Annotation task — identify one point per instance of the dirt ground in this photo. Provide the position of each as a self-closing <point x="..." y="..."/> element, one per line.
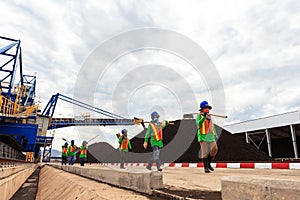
<point x="184" y="182"/>
<point x="195" y="184"/>
<point x="196" y="179"/>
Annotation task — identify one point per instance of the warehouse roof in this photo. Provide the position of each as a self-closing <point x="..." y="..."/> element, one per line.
<point x="285" y="119"/>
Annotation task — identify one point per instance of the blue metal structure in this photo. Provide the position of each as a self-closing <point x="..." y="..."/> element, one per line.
<point x="11" y="55"/>
<point x="17" y="111"/>
<point x="64" y="122"/>
<point x="113" y="119"/>
<point x="50" y="107"/>
<point x="30" y="83"/>
<point x="19" y="118"/>
<point x="46" y="144"/>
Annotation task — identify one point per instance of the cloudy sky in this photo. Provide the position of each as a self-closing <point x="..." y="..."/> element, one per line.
<point x="253" y="45"/>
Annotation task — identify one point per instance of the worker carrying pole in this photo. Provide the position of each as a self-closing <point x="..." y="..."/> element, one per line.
<point x="83" y="153"/>
<point x="207" y="136"/>
<point x="124" y="146"/>
<point x="64" y="154"/>
<point x="72" y="152"/>
<point x="155" y="133"/>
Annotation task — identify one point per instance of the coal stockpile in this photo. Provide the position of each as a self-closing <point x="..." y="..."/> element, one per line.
<point x="181" y="145"/>
<point x="234" y="148"/>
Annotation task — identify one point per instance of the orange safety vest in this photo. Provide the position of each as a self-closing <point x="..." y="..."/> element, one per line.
<point x="124" y="144"/>
<point x="206" y="127"/>
<point x="82" y="151"/>
<point x="157" y="132"/>
<point x="64" y="150"/>
<point x="72" y="149"/>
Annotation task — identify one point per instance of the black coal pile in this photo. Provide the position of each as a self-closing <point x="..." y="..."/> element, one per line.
<point x="181" y="145"/>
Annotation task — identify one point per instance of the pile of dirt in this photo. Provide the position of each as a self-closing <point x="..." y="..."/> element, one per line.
<point x="181" y="145"/>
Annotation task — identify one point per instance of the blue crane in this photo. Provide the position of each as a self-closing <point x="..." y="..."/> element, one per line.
<point x="21" y="122"/>
<point x="110" y="118"/>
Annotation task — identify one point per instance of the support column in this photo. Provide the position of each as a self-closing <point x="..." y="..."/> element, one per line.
<point x="294" y="140"/>
<point x="247" y="138"/>
<point x="269" y="142"/>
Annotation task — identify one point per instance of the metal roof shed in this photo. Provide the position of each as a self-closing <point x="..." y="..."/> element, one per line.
<point x="275" y="129"/>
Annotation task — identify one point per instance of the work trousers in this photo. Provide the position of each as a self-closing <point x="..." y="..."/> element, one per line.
<point x="208" y="148"/>
<point x="72" y="160"/>
<point x="122" y="159"/>
<point x="63" y="160"/>
<point x="154" y="158"/>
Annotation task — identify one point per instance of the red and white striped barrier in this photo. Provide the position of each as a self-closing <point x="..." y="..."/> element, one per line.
<point x="249" y="165"/>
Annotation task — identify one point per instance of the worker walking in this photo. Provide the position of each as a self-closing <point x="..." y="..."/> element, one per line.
<point x="155" y="133"/>
<point x="83" y="153"/>
<point x="72" y="153"/>
<point x="124" y="146"/>
<point x="64" y="153"/>
<point x="207" y="136"/>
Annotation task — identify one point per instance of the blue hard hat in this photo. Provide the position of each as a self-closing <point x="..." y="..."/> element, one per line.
<point x="72" y="141"/>
<point x="204" y="104"/>
<point x="66" y="143"/>
<point x="124" y="131"/>
<point x="154" y="114"/>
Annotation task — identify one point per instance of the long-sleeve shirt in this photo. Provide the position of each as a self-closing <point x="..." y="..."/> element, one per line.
<point x="150" y="134"/>
<point x="211" y="136"/>
<point x="64" y="150"/>
<point x="124" y="144"/>
<point x="83" y="152"/>
<point x="71" y="150"/>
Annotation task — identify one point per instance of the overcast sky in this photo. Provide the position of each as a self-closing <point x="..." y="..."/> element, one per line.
<point x="254" y="46"/>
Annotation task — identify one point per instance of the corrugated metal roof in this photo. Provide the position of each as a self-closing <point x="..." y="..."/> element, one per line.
<point x="274" y="121"/>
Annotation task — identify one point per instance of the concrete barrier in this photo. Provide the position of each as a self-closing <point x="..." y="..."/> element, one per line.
<point x="141" y="181"/>
<point x="6" y="172"/>
<point x="10" y="184"/>
<point x="235" y="187"/>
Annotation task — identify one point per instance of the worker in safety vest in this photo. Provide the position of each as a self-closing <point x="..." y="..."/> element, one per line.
<point x="72" y="153"/>
<point x="154" y="132"/>
<point x="207" y="136"/>
<point x="124" y="146"/>
<point x="83" y="153"/>
<point x="64" y="153"/>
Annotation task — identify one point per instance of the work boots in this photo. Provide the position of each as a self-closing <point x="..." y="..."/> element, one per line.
<point x="205" y="163"/>
<point x="209" y="158"/>
<point x="158" y="165"/>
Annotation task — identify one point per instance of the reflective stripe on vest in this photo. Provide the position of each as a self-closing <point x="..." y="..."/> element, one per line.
<point x="157" y="132"/>
<point x="82" y="151"/>
<point x="124" y="144"/>
<point x="64" y="150"/>
<point x="206" y="127"/>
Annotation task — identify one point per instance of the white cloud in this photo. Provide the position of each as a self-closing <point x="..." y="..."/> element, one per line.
<point x="254" y="45"/>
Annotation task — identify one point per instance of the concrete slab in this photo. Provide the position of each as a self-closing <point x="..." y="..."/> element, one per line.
<point x="10" y="184"/>
<point x="140" y="180"/>
<point x="240" y="187"/>
<point x="5" y="172"/>
<point x="58" y="184"/>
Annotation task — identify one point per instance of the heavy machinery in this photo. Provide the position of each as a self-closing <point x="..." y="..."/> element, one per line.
<point x="23" y="127"/>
